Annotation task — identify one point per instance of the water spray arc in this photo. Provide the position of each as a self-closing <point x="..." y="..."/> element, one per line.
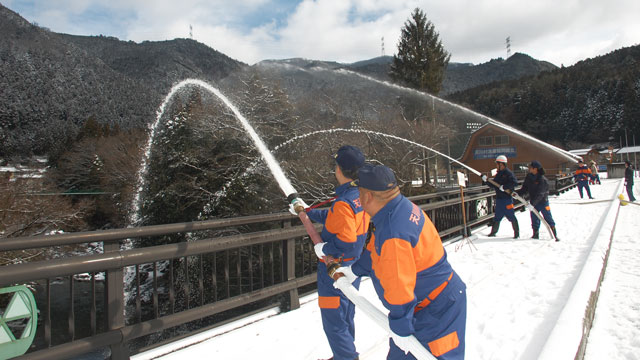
<point x="515" y="195"/>
<point x="370" y="132"/>
<point x="273" y="165"/>
<point x="564" y="153"/>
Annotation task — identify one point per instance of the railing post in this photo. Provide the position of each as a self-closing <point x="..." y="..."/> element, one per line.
<point x="114" y="300"/>
<point x="293" y="299"/>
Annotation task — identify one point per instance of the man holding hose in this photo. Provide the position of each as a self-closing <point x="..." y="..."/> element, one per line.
<point x="405" y="259"/>
<point x="343" y="236"/>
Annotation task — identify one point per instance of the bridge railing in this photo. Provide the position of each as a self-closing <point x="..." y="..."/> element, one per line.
<point x="560" y="184"/>
<point x="123" y="301"/>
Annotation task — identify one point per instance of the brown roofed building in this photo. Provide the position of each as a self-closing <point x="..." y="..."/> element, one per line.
<point x="491" y="140"/>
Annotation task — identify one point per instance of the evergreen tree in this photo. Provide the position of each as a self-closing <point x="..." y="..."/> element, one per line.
<point x="421" y="59"/>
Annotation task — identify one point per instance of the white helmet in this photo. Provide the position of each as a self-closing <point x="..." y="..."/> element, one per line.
<point x="502" y="159"/>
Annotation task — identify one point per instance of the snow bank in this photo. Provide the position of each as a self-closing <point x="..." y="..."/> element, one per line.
<point x="567" y="334"/>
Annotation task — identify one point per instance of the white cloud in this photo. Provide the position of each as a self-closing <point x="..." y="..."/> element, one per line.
<point x="351" y="30"/>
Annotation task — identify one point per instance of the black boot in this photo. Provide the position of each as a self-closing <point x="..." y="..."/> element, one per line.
<point x="535" y="235"/>
<point x="516" y="229"/>
<point x="555" y="235"/>
<point x="494" y="229"/>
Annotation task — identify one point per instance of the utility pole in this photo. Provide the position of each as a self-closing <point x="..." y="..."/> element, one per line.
<point x="190" y="32"/>
<point x="425" y="181"/>
<point x="449" y="154"/>
<point x="626" y="140"/>
<point x="635" y="158"/>
<point x="621" y="155"/>
<point x="508" y="42"/>
<point x="382" y="42"/>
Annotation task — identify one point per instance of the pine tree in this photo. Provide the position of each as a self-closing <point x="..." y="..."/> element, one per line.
<point x="421" y="59"/>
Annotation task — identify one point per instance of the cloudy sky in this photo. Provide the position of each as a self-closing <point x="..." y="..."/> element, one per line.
<point x="562" y="32"/>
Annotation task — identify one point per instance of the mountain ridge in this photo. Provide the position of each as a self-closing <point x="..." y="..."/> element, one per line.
<point x="52" y="83"/>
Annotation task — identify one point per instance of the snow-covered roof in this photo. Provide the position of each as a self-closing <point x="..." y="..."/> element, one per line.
<point x="606" y="151"/>
<point x="580" y="152"/>
<point x="628" y="149"/>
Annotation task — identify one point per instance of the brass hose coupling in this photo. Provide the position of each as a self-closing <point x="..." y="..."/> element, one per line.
<point x="332" y="267"/>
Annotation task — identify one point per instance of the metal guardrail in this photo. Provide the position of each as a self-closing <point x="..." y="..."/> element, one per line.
<point x="561" y="184"/>
<point x="153" y="290"/>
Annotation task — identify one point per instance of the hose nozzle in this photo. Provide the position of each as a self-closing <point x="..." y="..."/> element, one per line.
<point x="297" y="203"/>
<point x="292" y="197"/>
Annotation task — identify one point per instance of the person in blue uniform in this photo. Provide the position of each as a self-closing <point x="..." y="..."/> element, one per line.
<point x="628" y="180"/>
<point x="504" y="202"/>
<point x="343" y="233"/>
<point x="582" y="176"/>
<point x="407" y="263"/>
<point x="536" y="186"/>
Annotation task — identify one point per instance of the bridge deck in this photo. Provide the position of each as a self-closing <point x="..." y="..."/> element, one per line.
<point x="517" y="292"/>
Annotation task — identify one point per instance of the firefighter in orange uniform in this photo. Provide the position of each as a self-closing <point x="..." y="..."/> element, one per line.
<point x="344" y="232"/>
<point x="405" y="259"/>
<point x="582" y="176"/>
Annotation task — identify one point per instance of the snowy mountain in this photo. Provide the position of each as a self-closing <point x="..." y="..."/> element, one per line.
<point x="52" y="83"/>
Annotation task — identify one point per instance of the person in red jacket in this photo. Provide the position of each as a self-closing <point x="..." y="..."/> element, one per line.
<point x="407" y="263"/>
<point x="343" y="233"/>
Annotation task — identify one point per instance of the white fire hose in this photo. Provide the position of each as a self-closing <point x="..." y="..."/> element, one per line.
<point x="378" y="317"/>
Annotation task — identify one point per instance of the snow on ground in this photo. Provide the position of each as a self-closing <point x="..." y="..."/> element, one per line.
<point x="616" y="328"/>
<point x="520" y="292"/>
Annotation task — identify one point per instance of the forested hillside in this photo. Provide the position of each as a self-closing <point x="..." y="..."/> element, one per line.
<point x="459" y="77"/>
<point x="52" y="83"/>
<point x="592" y="101"/>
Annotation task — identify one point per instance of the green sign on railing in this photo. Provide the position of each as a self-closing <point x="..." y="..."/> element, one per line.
<point x="18" y="321"/>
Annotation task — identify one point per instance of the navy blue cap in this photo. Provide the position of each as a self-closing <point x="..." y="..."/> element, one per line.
<point x="535" y="164"/>
<point x="376" y="177"/>
<point x="349" y="157"/>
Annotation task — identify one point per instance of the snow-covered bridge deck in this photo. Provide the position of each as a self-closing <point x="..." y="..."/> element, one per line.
<point x="526" y="297"/>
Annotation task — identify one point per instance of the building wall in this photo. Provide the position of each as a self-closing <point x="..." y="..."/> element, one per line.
<point x="615" y="170"/>
<point x="482" y="151"/>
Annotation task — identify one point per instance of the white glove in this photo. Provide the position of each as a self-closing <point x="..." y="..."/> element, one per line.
<point x="501" y="188"/>
<point x="297" y="202"/>
<point x="318" y="249"/>
<point x="403" y="342"/>
<point x="484" y="178"/>
<point x="347" y="272"/>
